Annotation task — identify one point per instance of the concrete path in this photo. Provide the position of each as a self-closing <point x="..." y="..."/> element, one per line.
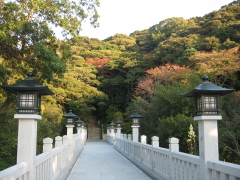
<point x="100" y="161"/>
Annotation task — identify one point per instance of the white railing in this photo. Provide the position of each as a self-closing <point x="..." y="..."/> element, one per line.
<point x="223" y="170"/>
<point x="163" y="163"/>
<point x="52" y="164"/>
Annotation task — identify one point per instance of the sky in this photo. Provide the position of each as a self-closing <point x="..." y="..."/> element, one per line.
<point x="127" y="16"/>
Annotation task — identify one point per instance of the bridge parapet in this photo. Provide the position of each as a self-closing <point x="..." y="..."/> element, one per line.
<point x="53" y="163"/>
<point x="162" y="163"/>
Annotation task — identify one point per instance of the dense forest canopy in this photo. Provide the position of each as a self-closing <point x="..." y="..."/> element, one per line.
<point x="106" y="80"/>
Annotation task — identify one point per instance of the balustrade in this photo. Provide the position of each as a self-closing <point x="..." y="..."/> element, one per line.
<point x="162" y="163"/>
<point x="52" y="163"/>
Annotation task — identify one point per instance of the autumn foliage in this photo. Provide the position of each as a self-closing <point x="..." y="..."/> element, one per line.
<point x="219" y="66"/>
<point x="98" y="62"/>
<point x="159" y="75"/>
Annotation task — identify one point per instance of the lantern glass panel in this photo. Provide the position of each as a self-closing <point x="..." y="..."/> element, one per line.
<point x="135" y="121"/>
<point x="199" y="103"/>
<point x="26" y="100"/>
<point x="69" y="120"/>
<point x="210" y="102"/>
<point x="28" y="103"/>
<point x="118" y="125"/>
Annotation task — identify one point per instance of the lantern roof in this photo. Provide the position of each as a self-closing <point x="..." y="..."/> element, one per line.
<point x="28" y="85"/>
<point x="207" y="87"/>
<point x="79" y="121"/>
<point x="112" y="124"/>
<point x="70" y="115"/>
<point x="135" y="115"/>
<point x="118" y="122"/>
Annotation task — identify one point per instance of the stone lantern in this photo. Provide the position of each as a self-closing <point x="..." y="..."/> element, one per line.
<point x="70" y="119"/>
<point x="112" y="128"/>
<point x="135" y="117"/>
<point x="119" y="127"/>
<point x="207" y="114"/>
<point x="79" y="125"/>
<point x="28" y="108"/>
<point x="207" y="97"/>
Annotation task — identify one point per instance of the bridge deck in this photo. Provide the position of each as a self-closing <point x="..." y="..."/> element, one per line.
<point x="100" y="161"/>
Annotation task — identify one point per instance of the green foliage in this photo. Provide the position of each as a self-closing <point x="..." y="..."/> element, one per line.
<point x="8" y="140"/>
<point x="46" y="129"/>
<point x="191" y="142"/>
<point x="229" y="129"/>
<point x="183" y="60"/>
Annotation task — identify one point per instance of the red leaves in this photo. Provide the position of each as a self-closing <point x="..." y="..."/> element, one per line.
<point x="99" y="63"/>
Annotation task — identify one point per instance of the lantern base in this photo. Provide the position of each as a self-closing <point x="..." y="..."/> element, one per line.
<point x="28" y="116"/>
<point x="207" y="118"/>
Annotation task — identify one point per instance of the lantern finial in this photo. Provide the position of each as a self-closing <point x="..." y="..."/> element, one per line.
<point x="205" y="78"/>
<point x="30" y="74"/>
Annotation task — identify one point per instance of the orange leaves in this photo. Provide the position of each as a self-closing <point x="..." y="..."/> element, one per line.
<point x="220" y="66"/>
<point x="98" y="62"/>
<point x="161" y="75"/>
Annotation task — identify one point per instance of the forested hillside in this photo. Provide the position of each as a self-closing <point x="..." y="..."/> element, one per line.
<point x="145" y="71"/>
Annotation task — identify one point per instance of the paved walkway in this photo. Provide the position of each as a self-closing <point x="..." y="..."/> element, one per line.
<point x="100" y="161"/>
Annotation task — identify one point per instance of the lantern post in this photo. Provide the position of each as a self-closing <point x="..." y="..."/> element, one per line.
<point x="119" y="127"/>
<point x="112" y="128"/>
<point x="28" y="109"/>
<point x="79" y="125"/>
<point x="207" y="113"/>
<point x="135" y="117"/>
<point x="70" y="119"/>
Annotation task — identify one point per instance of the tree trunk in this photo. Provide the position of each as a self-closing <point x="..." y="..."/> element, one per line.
<point x="6" y="104"/>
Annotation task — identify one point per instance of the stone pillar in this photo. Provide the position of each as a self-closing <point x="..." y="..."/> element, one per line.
<point x="121" y="136"/>
<point x="79" y="130"/>
<point x="129" y="137"/>
<point x="70" y="131"/>
<point x="58" y="141"/>
<point x="135" y="133"/>
<point x="144" y="139"/>
<point x="208" y="142"/>
<point x="174" y="144"/>
<point x="47" y="144"/>
<point x="65" y="139"/>
<point x="155" y="141"/>
<point x="173" y="147"/>
<point x="119" y="132"/>
<point x="27" y="140"/>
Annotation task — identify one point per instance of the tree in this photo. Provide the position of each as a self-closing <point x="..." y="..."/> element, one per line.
<point x="220" y="66"/>
<point x="229" y="128"/>
<point x="27" y="41"/>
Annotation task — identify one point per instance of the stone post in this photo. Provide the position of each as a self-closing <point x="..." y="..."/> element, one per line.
<point x="135" y="133"/>
<point x="121" y="136"/>
<point x="47" y="144"/>
<point x="155" y="141"/>
<point x="27" y="140"/>
<point x="129" y="137"/>
<point x="173" y="147"/>
<point x="58" y="141"/>
<point x="208" y="142"/>
<point x="70" y="131"/>
<point x="174" y="144"/>
<point x="79" y="130"/>
<point x="144" y="139"/>
<point x="65" y="139"/>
